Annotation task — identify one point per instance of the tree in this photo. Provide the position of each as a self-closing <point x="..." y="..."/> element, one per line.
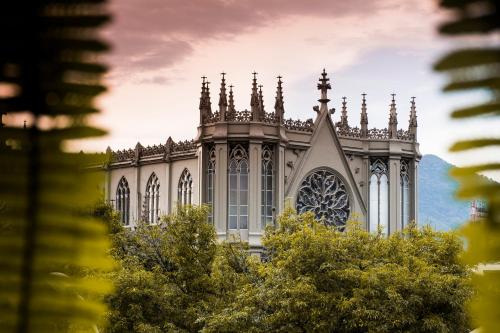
<point x="49" y="73"/>
<point x="478" y="68"/>
<point x="172" y="274"/>
<point x="317" y="279"/>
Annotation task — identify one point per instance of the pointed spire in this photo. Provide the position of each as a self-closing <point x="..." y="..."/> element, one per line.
<point x="204" y="102"/>
<point x="254" y="100"/>
<point x="364" y="118"/>
<point x="261" y="102"/>
<point x="207" y="96"/>
<point x="412" y="128"/>
<point x="222" y="99"/>
<point x="231" y="111"/>
<point x="393" y="119"/>
<point x="323" y="86"/>
<point x="279" y="109"/>
<point x="343" y="117"/>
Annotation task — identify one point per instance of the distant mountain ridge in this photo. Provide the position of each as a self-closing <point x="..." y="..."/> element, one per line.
<point x="437" y="205"/>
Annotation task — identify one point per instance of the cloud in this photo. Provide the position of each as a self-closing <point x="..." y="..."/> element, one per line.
<point x="155" y="34"/>
<point x="161" y="80"/>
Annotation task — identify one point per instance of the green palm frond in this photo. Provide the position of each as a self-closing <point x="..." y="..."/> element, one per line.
<point x="473" y="144"/>
<point x="48" y="53"/>
<point x="492" y="108"/>
<point x="472" y="69"/>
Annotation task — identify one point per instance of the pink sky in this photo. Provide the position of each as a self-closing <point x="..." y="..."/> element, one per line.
<point x="163" y="47"/>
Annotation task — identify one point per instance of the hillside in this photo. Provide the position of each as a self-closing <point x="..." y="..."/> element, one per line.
<point x="437" y="206"/>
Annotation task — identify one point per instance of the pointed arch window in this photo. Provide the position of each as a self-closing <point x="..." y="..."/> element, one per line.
<point x="405" y="193"/>
<point x="123" y="200"/>
<point x="267" y="186"/>
<point x="379" y="196"/>
<point x="238" y="188"/>
<point x="210" y="194"/>
<point x="185" y="188"/>
<point x="152" y="199"/>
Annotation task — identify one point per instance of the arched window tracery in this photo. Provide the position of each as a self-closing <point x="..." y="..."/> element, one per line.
<point x="185" y="188"/>
<point x="123" y="200"/>
<point x="152" y="199"/>
<point x="379" y="196"/>
<point x="267" y="186"/>
<point x="210" y="194"/>
<point x="238" y="188"/>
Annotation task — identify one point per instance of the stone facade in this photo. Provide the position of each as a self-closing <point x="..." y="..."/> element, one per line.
<point x="247" y="165"/>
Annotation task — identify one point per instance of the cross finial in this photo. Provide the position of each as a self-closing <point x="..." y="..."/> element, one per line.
<point x="324" y="79"/>
<point x="279" y="77"/>
<point x="364" y="95"/>
<point x="413" y="99"/>
<point x="323" y="86"/>
<point x="254" y="75"/>
<point x="223" y="74"/>
<point x="343" y="99"/>
<point x="393" y="95"/>
<point x="203" y="77"/>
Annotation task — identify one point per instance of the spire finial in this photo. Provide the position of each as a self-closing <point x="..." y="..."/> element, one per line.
<point x="343" y="117"/>
<point x="254" y="99"/>
<point x="205" y="104"/>
<point x="261" y="101"/>
<point x="323" y="86"/>
<point x="412" y="128"/>
<point x="231" y="110"/>
<point x="222" y="99"/>
<point x="279" y="109"/>
<point x="364" y="117"/>
<point x="393" y="119"/>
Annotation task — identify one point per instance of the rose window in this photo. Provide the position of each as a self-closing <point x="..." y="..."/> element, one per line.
<point x="325" y="194"/>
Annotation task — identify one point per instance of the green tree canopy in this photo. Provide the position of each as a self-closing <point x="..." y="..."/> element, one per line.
<point x="175" y="277"/>
<point x="317" y="279"/>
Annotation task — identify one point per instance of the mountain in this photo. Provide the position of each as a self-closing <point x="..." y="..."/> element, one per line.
<point x="437" y="205"/>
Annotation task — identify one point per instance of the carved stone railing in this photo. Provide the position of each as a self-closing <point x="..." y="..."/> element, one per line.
<point x="374" y="133"/>
<point x="211" y="118"/>
<point x="346" y="131"/>
<point x="241" y="116"/>
<point x="183" y="146"/>
<point x="405" y="135"/>
<point x="246" y="116"/>
<point x="155" y="150"/>
<point x="270" y="118"/>
<point x="378" y="133"/>
<point x="299" y="125"/>
<point x="122" y="155"/>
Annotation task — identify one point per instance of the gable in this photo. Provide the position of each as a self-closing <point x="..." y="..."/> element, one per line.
<point x="326" y="153"/>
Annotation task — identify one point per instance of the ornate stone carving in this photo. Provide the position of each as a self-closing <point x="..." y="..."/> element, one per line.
<point x="299" y="125"/>
<point x="155" y="150"/>
<point x="325" y="194"/>
<point x="374" y="133"/>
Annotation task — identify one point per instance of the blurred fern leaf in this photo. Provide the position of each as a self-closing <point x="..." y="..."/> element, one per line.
<point x="49" y="74"/>
<point x="478" y="68"/>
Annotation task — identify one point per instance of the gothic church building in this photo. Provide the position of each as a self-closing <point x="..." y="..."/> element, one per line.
<point x="246" y="165"/>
